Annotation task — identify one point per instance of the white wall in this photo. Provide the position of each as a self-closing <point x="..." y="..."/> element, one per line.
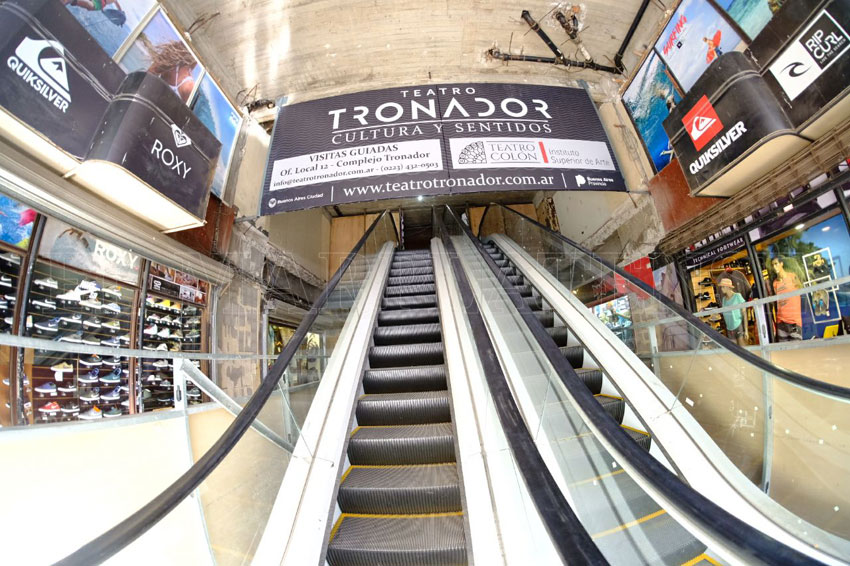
<point x="250" y="170"/>
<point x="305" y="236"/>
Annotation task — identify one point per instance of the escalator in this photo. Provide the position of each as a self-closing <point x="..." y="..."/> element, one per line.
<point x="400" y="497"/>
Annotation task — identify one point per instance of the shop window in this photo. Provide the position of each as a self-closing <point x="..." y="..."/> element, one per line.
<point x="810" y="253"/>
<point x="160" y="51"/>
<point x="310" y="360"/>
<point x="617" y="316"/>
<point x="109" y="22"/>
<point x="221" y="118"/>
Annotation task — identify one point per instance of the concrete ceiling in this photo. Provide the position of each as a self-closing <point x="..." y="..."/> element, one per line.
<point x="307" y="49"/>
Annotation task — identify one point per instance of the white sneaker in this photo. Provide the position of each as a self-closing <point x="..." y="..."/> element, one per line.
<point x="92" y="303"/>
<point x="72" y="295"/>
<point x="47" y="282"/>
<point x="164" y="333"/>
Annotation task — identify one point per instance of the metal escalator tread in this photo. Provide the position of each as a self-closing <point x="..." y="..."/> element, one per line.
<point x="407" y="408"/>
<point x="501" y="262"/>
<point x="408" y="316"/>
<point x="534" y="303"/>
<point x="407" y="290"/>
<point x="516" y="280"/>
<point x="525" y="290"/>
<point x="410" y="280"/>
<point x="592" y="378"/>
<point x="574" y="355"/>
<point x="643" y="439"/>
<point x="614" y="406"/>
<point x="408" y="271"/>
<point x="402" y="445"/>
<point x="406" y="355"/>
<point x="430" y="488"/>
<point x="411" y="302"/>
<point x="407" y="334"/>
<point x="510" y="271"/>
<point x="411" y="264"/>
<point x="560" y="334"/>
<point x="398" y="380"/>
<point x="546" y="318"/>
<point x="406" y="540"/>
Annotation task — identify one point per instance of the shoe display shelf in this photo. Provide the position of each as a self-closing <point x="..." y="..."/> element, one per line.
<point x="193" y="341"/>
<point x="10" y="276"/>
<point x="162" y="332"/>
<point x="78" y="308"/>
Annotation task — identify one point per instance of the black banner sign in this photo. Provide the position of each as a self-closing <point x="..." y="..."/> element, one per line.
<point x="53" y="76"/>
<point x="150" y="132"/>
<point x="727" y="114"/>
<point x="437" y="139"/>
<point x="699" y="258"/>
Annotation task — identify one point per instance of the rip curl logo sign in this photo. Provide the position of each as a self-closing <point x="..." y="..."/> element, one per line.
<point x="41" y="64"/>
<point x="169" y="157"/>
<point x="702" y="123"/>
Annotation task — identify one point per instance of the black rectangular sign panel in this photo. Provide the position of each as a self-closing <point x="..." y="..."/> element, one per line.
<point x="150" y="132"/>
<point x="728" y="113"/>
<point x="436" y="139"/>
<point x="53" y="76"/>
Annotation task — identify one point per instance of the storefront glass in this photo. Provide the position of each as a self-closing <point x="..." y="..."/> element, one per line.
<point x="309" y="362"/>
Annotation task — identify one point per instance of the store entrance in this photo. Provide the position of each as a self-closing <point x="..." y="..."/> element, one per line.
<point x="416" y="229"/>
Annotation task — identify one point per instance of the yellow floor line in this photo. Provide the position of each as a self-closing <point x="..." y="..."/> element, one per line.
<point x="629" y="525"/>
<point x="697" y="559"/>
<point x="603" y="476"/>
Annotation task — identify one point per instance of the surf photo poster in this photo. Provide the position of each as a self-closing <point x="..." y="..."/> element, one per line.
<point x="109" y="22"/>
<point x="649" y="98"/>
<point x="750" y="15"/>
<point x="222" y="119"/>
<point x="693" y="39"/>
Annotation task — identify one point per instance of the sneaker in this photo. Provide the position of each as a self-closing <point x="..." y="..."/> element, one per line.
<point x="174" y="346"/>
<point x="163" y="347"/>
<point x="74" y="338"/>
<point x="177" y="334"/>
<point x="4" y="304"/>
<point x="10" y="298"/>
<point x="148" y="347"/>
<point x="125" y="403"/>
<point x="160" y="364"/>
<point x="92" y="414"/>
<point x="113" y="377"/>
<point x="48" y="282"/>
<point x="111" y="342"/>
<point x="51" y="325"/>
<point x="6" y="381"/>
<point x="146" y="395"/>
<point x="112" y="307"/>
<point x="153" y="317"/>
<point x="114" y="361"/>
<point x="166" y="319"/>
<point x="90" y="377"/>
<point x="88" y="286"/>
<point x="5" y="281"/>
<point x="47" y="388"/>
<point x="113" y="395"/>
<point x="11" y="258"/>
<point x="44" y="303"/>
<point x="164" y="304"/>
<point x="150" y="301"/>
<point x="113" y="412"/>
<point x="63" y="367"/>
<point x="92" y="394"/>
<point x="90" y="339"/>
<point x="112" y="325"/>
<point x="93" y="360"/>
<point x="67" y="388"/>
<point x="165" y="383"/>
<point x="150" y="330"/>
<point x="92" y="303"/>
<point x="75" y="318"/>
<point x="92" y="322"/>
<point x="52" y="407"/>
<point x="71" y="407"/>
<point x="71" y="295"/>
<point x="9" y="320"/>
<point x="113" y="290"/>
<point x="194" y="321"/>
<point x="192" y="335"/>
<point x="124" y="337"/>
<point x="154" y="378"/>
<point x="193" y="393"/>
<point x="190" y="310"/>
<point x="164" y="333"/>
<point x="125" y="388"/>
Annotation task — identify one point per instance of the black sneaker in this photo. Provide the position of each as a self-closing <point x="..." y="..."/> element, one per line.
<point x="93" y="360"/>
<point x="704" y="296"/>
<point x="706" y="282"/>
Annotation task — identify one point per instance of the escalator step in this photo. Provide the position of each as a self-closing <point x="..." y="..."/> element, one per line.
<point x="411" y="264"/>
<point x="525" y="290"/>
<point x="574" y="355"/>
<point x="508" y="270"/>
<point x="560" y="334"/>
<point x="425" y="540"/>
<point x="397" y="380"/>
<point x="546" y="318"/>
<point x="433" y="488"/>
<point x="516" y="280"/>
<point x="402" y="445"/>
<point x="406" y="355"/>
<point x="408" y="261"/>
<point x="407" y="334"/>
<point x="642" y="438"/>
<point x="534" y="303"/>
<point x="501" y="262"/>
<point x="410" y="280"/>
<point x="496" y="255"/>
<point x="411" y="316"/>
<point x="614" y="406"/>
<point x="411" y="302"/>
<point x="422" y="407"/>
<point x="406" y="272"/>
<point x="409" y="253"/>
<point x="407" y="290"/>
<point x="592" y="378"/>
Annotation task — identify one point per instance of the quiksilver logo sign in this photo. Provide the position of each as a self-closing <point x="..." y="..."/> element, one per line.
<point x="169" y="157"/>
<point x="41" y="64"/>
<point x="717" y="147"/>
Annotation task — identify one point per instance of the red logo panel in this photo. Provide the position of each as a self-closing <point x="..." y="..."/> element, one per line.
<point x="702" y="123"/>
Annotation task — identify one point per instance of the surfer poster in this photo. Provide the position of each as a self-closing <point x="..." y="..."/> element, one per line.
<point x="750" y="15"/>
<point x="109" y="22"/>
<point x="649" y="98"/>
<point x="693" y="39"/>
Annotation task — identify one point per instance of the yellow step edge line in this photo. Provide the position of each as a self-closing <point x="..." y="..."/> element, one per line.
<point x="697" y="559"/>
<point x="643" y="432"/>
<point x="597" y="478"/>
<point x="351" y="467"/>
<point x="629" y="525"/>
<point x="402" y="515"/>
<point x="609" y="396"/>
<point x="337" y="525"/>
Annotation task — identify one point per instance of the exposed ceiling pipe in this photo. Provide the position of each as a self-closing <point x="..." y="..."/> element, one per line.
<point x="496" y="54"/>
<point x="570" y="26"/>
<point x="618" y="58"/>
<point x="559" y="58"/>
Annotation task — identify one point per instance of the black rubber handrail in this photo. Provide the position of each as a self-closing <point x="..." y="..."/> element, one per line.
<point x="750" y="544"/>
<point x="134" y="526"/>
<point x="795" y="378"/>
<point x="568" y="535"/>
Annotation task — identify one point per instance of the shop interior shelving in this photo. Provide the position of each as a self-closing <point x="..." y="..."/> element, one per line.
<point x="10" y="277"/>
